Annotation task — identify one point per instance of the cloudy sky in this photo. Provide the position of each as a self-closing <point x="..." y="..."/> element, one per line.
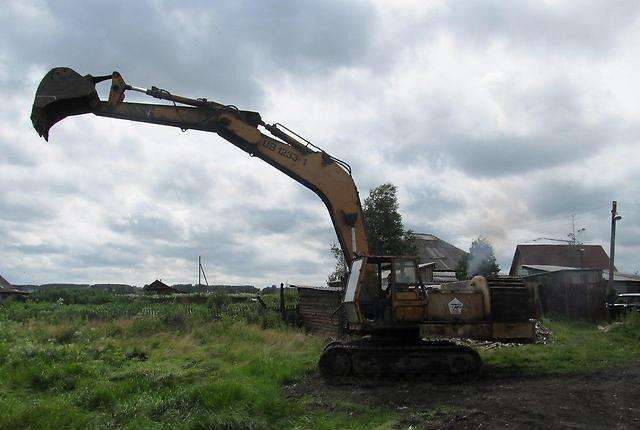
<point x="493" y="118"/>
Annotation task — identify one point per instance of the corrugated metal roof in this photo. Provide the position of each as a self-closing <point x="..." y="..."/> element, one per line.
<point x="314" y="287"/>
<point x="548" y="268"/>
<point x="622" y="277"/>
<point x="433" y="249"/>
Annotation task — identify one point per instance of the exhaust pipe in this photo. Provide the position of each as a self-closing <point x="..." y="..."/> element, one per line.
<point x="62" y="93"/>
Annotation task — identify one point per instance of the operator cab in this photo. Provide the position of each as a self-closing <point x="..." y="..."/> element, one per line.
<point x="382" y="288"/>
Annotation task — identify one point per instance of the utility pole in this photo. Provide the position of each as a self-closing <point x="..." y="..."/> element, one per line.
<point x="612" y="245"/>
<point x="282" y="307"/>
<point x="201" y="271"/>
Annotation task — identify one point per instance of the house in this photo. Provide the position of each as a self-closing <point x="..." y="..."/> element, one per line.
<point x="159" y="287"/>
<point x="577" y="256"/>
<point x="7" y="290"/>
<point x="433" y="249"/>
<point x="4" y="283"/>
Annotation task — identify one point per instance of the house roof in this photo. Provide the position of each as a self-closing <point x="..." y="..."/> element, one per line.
<point x="433" y="249"/>
<point x="548" y="268"/>
<point x="158" y="285"/>
<point x="581" y="256"/>
<point x="4" y="283"/>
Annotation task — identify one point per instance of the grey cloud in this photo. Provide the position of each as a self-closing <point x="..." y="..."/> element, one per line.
<point x="23" y="208"/>
<point x="153" y="226"/>
<point x="218" y="52"/>
<point x="432" y="201"/>
<point x="234" y="50"/>
<point x="559" y="134"/>
<point x="575" y="27"/>
<point x="553" y="197"/>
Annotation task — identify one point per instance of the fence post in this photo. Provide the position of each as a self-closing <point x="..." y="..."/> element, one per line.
<point x="283" y="311"/>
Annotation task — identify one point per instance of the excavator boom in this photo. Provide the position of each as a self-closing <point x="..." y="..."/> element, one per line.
<point x="64" y="92"/>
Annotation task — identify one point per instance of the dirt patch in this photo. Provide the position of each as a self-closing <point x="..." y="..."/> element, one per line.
<point x="602" y="400"/>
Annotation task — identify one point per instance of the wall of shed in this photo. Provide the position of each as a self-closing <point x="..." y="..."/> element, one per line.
<point x="317" y="310"/>
<point x="575" y="294"/>
<point x="622" y="287"/>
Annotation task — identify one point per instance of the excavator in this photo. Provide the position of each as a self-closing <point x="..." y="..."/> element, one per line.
<point x="399" y="325"/>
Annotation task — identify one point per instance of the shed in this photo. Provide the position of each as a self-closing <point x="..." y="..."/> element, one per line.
<point x="318" y="309"/>
<point x="572" y="292"/>
<point x="159" y="287"/>
<point x="623" y="282"/>
<point x="426" y="271"/>
<point x="577" y="256"/>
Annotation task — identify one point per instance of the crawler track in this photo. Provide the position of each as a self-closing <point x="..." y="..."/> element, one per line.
<point x="353" y="361"/>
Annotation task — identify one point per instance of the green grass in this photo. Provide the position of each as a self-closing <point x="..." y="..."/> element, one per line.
<point x="137" y="364"/>
<point x="574" y="347"/>
<point x="174" y="369"/>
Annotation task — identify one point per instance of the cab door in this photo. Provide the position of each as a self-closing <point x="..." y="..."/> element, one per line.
<point x="407" y="297"/>
<point x="351" y="294"/>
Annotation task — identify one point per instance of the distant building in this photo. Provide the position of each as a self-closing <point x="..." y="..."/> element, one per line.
<point x="159" y="287"/>
<point x="576" y="256"/>
<point x="432" y="249"/>
<point x="4" y="283"/>
<point x="438" y="259"/>
<point x="7" y="290"/>
<point x="623" y="282"/>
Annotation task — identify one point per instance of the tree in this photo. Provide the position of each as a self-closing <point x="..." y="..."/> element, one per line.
<point x="385" y="230"/>
<point x="481" y="260"/>
<point x="383" y="222"/>
<point x="461" y="268"/>
<point x="341" y="264"/>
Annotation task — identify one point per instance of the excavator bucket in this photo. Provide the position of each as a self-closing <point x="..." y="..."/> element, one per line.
<point x="62" y="93"/>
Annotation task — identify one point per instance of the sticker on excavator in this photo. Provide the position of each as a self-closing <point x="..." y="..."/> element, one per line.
<point x="455" y="307"/>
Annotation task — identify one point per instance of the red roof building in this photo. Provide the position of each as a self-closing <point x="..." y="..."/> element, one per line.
<point x="578" y="256"/>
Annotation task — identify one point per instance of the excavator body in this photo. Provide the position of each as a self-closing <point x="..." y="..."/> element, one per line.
<point x="405" y="326"/>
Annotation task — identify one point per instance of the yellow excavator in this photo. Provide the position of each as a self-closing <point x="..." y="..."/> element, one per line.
<point x="402" y="325"/>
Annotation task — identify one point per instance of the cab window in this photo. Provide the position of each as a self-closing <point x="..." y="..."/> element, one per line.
<point x="405" y="272"/>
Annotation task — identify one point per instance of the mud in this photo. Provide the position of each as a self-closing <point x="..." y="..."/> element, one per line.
<point x="604" y="400"/>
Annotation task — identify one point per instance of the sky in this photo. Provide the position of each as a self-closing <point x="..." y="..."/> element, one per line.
<point x="494" y="119"/>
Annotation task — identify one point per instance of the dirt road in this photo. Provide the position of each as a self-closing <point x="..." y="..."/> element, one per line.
<point x="607" y="400"/>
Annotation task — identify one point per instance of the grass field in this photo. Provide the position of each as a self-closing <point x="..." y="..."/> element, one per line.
<point x="83" y="366"/>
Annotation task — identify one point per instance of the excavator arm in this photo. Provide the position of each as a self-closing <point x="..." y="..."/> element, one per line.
<point x="63" y="92"/>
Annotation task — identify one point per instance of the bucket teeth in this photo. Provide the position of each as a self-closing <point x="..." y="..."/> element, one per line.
<point x="61" y="93"/>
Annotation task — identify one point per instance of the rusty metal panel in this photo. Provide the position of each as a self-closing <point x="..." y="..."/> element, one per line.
<point x="575" y="294"/>
<point x="445" y="307"/>
<point x="473" y="331"/>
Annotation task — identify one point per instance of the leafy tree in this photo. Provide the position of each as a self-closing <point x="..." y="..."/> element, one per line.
<point x="386" y="232"/>
<point x="461" y="268"/>
<point x="481" y="260"/>
<point x="341" y="264"/>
